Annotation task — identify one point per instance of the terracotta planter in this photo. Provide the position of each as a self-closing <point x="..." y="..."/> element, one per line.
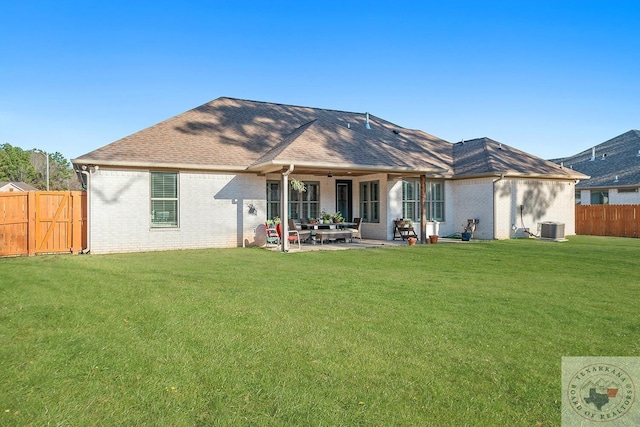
<point x="433" y="239"/>
<point x="412" y="241"/>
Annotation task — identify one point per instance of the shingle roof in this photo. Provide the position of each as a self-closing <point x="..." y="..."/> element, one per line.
<point x="229" y="133"/>
<point x="484" y="156"/>
<point x="241" y="135"/>
<point x="332" y="145"/>
<point x="19" y="184"/>
<point x="619" y="156"/>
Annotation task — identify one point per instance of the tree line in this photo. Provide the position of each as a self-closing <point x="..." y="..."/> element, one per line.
<point x="30" y="166"/>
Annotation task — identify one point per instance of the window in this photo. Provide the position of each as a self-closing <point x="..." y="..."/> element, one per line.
<point x="370" y="201"/>
<point x="309" y="205"/>
<point x="627" y="190"/>
<point x="578" y="197"/>
<point x="599" y="197"/>
<point x="434" y="201"/>
<point x="411" y="200"/>
<point x="164" y="199"/>
<point x="273" y="199"/>
<point x="301" y="205"/>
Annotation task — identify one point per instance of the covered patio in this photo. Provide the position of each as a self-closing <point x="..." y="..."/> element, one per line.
<point x="360" y="244"/>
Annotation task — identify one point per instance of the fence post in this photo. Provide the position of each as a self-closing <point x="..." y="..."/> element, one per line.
<point x="31" y="223"/>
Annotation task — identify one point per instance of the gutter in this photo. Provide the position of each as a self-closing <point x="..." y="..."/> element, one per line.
<point x="495" y="213"/>
<point x="159" y="165"/>
<point x="269" y="167"/>
<point x="87" y="172"/>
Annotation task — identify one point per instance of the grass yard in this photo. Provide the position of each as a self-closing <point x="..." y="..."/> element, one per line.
<point x="446" y="334"/>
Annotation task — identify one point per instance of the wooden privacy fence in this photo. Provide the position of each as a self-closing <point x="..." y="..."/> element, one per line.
<point x="36" y="222"/>
<point x="608" y="220"/>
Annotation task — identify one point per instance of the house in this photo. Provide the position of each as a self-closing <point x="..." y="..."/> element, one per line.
<point x="211" y="176"/>
<point x="15" y="186"/>
<point x="614" y="170"/>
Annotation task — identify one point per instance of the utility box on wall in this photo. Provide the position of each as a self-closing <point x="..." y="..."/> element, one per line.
<point x="552" y="230"/>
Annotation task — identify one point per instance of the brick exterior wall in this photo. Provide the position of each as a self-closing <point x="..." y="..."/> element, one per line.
<point x="219" y="210"/>
<point x="473" y="199"/>
<point x="542" y="200"/>
<point x="215" y="210"/>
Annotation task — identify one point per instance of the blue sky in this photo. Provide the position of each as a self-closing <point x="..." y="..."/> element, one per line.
<point x="549" y="77"/>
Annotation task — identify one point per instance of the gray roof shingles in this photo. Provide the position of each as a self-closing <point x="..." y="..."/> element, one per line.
<point x="617" y="157"/>
<point x="484" y="156"/>
<point x="19" y="184"/>
<point x="236" y="134"/>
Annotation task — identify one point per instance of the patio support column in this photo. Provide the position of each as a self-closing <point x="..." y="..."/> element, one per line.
<point x="423" y="209"/>
<point x="284" y="209"/>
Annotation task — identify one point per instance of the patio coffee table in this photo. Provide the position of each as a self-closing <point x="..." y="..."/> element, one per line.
<point x="323" y="235"/>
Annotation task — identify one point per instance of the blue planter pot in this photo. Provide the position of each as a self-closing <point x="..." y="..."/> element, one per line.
<point x="466" y="237"/>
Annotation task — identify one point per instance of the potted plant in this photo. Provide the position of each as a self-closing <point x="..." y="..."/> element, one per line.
<point x="326" y="217"/>
<point x="412" y="241"/>
<point x="337" y="217"/>
<point x="298" y="185"/>
<point x="466" y="234"/>
<point x="404" y="222"/>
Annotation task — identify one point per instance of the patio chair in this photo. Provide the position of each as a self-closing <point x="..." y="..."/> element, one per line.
<point x="355" y="231"/>
<point x="272" y="235"/>
<point x="304" y="234"/>
<point x="292" y="237"/>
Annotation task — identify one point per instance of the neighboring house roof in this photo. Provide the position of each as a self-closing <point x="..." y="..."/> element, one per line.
<point x="618" y="157"/>
<point x="240" y="135"/>
<point x="484" y="156"/>
<point x="16" y="186"/>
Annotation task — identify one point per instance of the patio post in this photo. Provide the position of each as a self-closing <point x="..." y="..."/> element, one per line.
<point x="423" y="208"/>
<point x="284" y="209"/>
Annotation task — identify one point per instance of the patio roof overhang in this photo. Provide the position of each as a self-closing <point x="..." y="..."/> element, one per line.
<point x="522" y="175"/>
<point x="344" y="169"/>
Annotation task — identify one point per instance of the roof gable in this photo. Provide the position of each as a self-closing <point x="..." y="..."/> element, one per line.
<point x="326" y="144"/>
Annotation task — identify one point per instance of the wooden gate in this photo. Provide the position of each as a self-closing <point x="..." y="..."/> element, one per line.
<point x="37" y="222"/>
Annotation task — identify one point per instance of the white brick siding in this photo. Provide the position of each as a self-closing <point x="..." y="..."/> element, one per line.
<point x="473" y="199"/>
<point x="543" y="200"/>
<point x="228" y="210"/>
<point x="215" y="210"/>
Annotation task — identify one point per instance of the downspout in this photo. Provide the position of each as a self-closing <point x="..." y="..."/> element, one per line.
<point x="284" y="209"/>
<point x="87" y="173"/>
<point x="495" y="213"/>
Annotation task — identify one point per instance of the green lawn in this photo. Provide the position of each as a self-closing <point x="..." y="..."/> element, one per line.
<point x="446" y="334"/>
